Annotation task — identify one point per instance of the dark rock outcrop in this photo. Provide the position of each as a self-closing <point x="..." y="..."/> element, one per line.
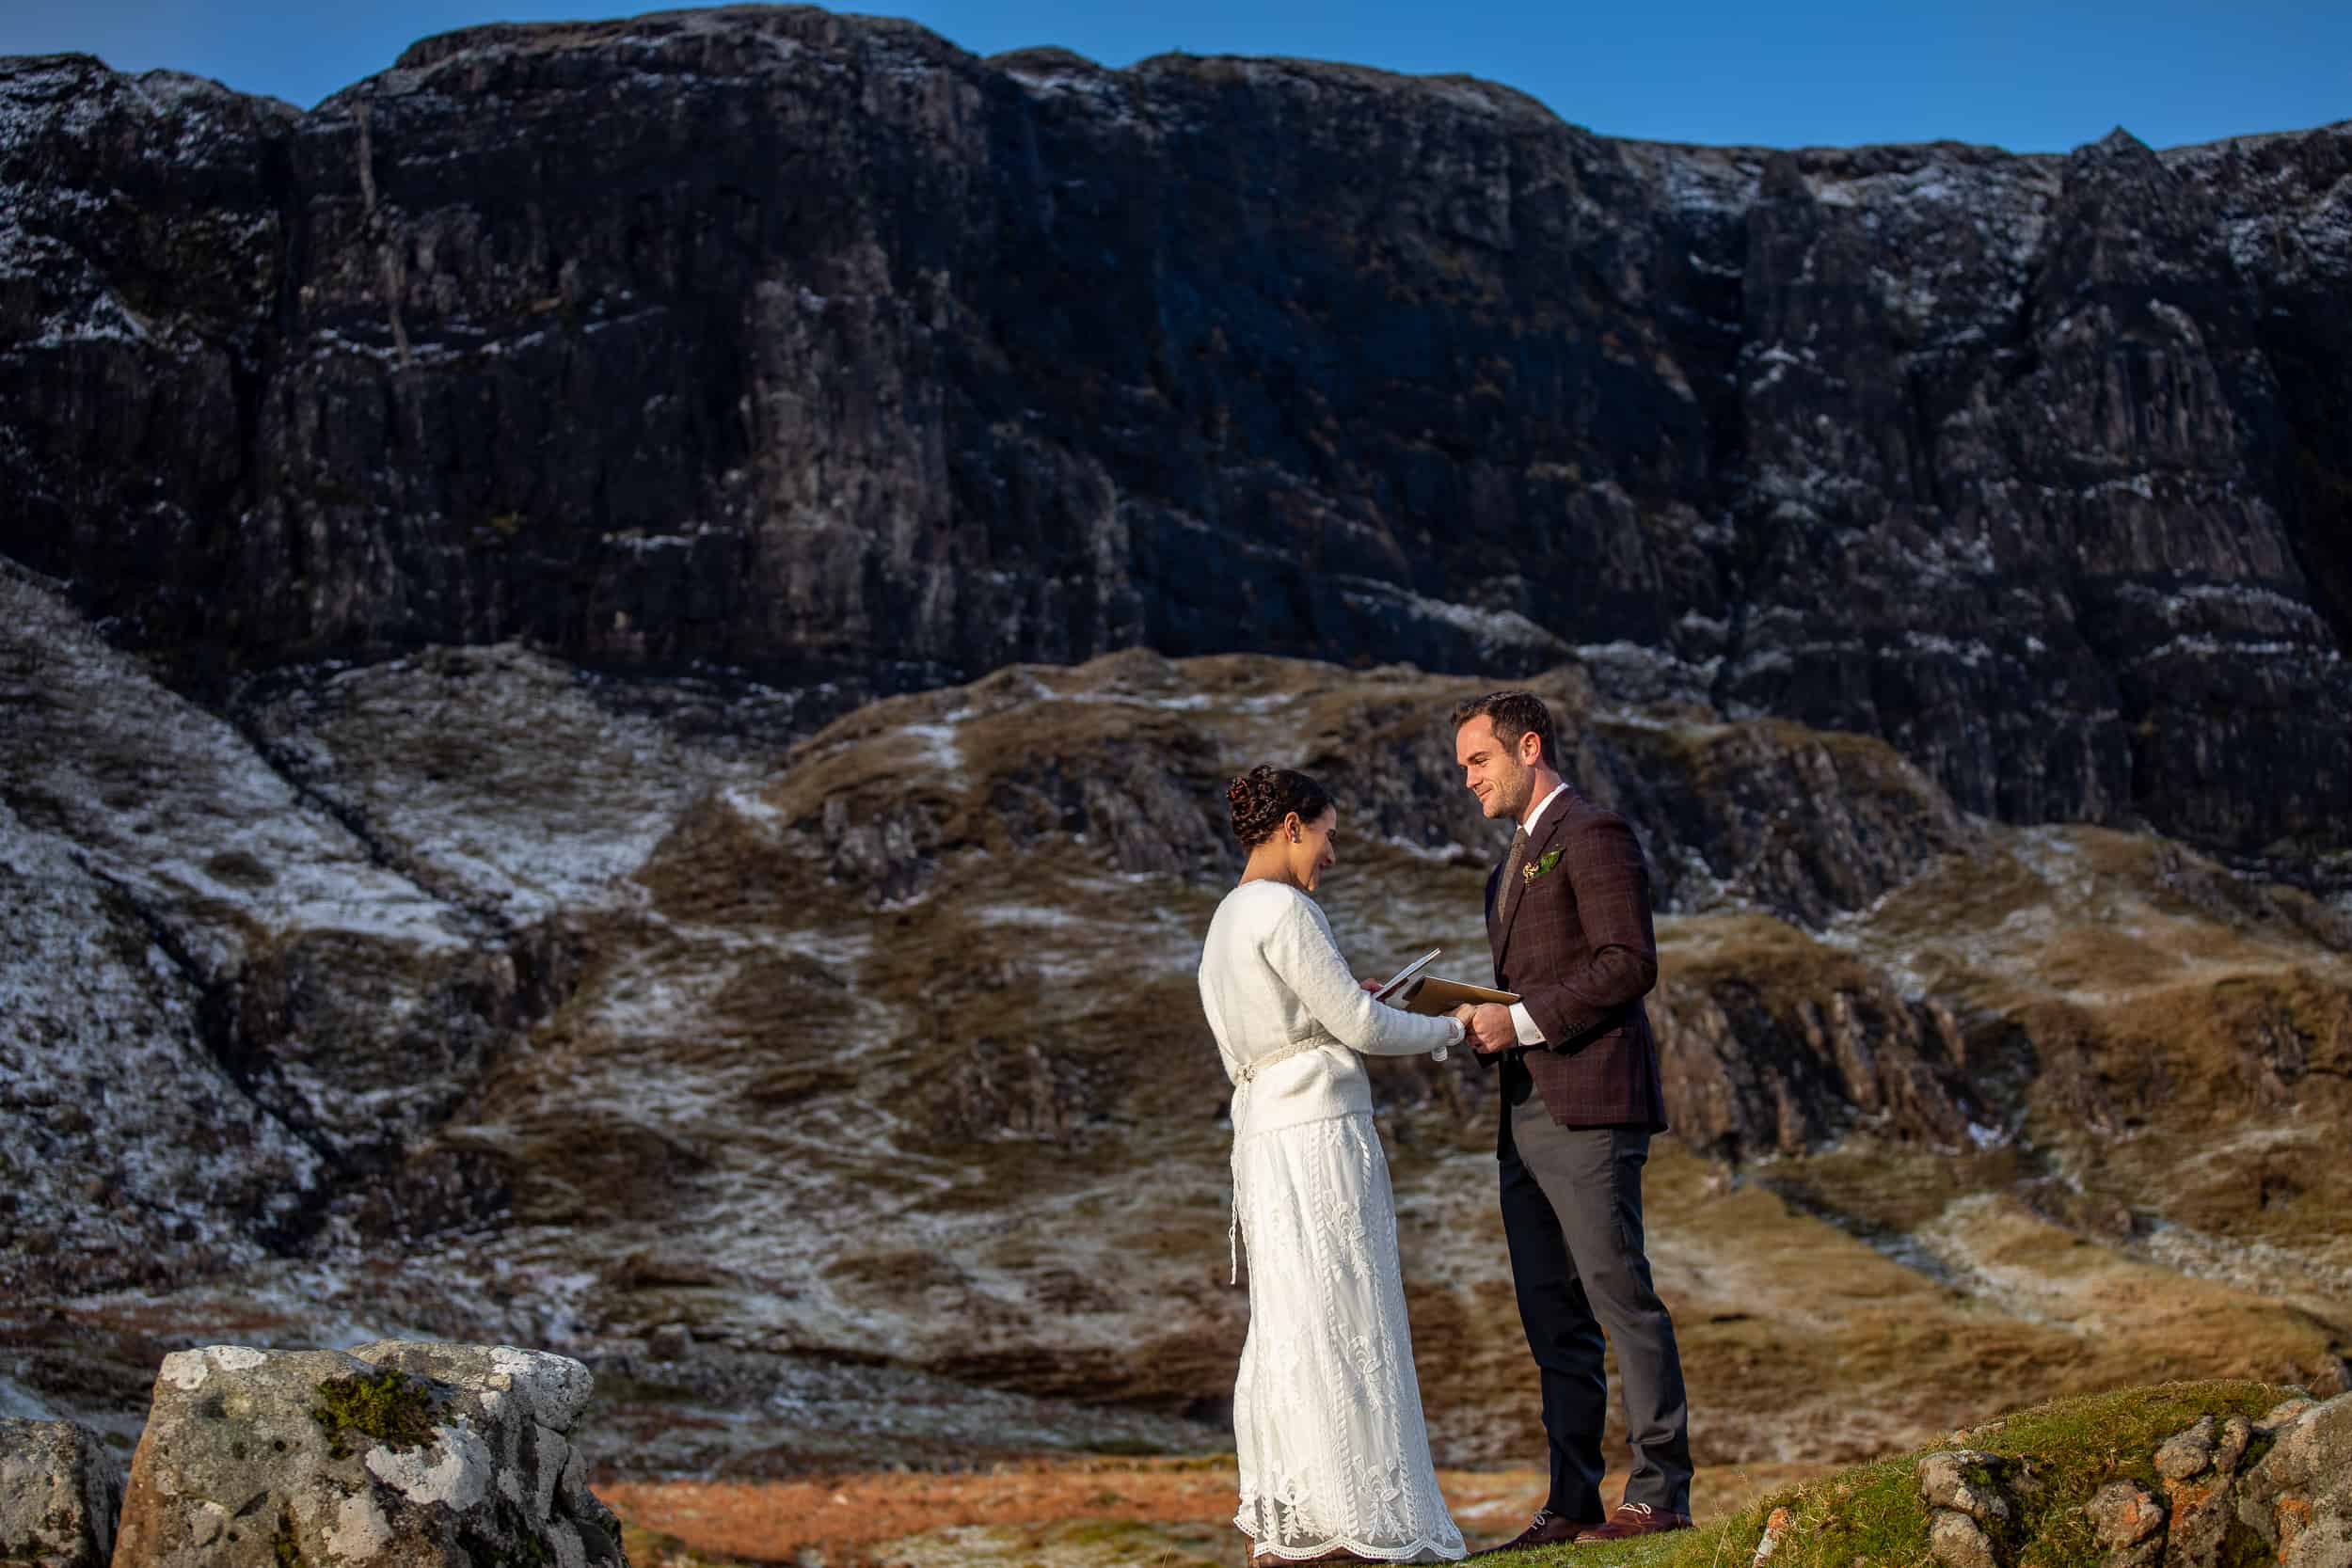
<point x="1777" y="1056"/>
<point x="814" y="347"/>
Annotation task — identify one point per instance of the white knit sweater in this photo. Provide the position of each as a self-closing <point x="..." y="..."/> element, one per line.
<point x="1271" y="977"/>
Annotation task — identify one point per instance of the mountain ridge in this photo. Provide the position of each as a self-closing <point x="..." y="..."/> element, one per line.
<point x="813" y="347"/>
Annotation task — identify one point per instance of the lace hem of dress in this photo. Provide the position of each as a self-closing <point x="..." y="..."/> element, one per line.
<point x="1444" y="1551"/>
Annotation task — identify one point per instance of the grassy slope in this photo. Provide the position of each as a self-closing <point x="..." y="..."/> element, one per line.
<point x="1871" y="1514"/>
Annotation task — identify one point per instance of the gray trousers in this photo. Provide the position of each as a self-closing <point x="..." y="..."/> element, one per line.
<point x="1572" y="1212"/>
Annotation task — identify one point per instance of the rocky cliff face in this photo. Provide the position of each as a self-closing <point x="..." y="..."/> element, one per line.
<point x="459" y="884"/>
<point x="811" y="346"/>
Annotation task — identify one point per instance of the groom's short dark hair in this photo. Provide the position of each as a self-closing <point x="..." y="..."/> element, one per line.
<point x="1514" y="714"/>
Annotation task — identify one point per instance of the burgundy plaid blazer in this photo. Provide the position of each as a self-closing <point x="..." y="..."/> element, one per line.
<point x="1576" y="944"/>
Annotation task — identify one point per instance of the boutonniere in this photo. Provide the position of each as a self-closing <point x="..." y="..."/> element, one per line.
<point x="1550" y="859"/>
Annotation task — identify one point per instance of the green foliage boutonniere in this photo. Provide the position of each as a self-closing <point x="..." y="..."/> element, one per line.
<point x="1550" y="859"/>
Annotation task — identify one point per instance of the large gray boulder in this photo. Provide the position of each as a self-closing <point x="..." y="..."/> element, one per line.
<point x="392" y="1454"/>
<point x="60" y="1490"/>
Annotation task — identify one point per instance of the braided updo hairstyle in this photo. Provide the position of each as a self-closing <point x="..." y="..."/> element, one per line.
<point x="1260" y="798"/>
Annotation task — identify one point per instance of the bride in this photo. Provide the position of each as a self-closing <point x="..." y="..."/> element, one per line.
<point x="1327" y="1415"/>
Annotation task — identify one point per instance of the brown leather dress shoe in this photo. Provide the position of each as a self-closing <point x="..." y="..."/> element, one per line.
<point x="1633" y="1519"/>
<point x="1548" y="1529"/>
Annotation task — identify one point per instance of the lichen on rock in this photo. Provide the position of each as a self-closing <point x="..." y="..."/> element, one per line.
<point x="387" y="1406"/>
<point x="419" y="1455"/>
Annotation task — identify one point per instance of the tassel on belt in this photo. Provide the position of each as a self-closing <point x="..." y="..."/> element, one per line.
<point x="1242" y="1077"/>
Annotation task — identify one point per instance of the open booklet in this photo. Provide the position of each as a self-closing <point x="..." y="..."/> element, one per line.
<point x="1416" y="992"/>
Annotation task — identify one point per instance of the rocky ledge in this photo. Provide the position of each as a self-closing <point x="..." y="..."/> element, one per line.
<point x="2090" y="1483"/>
<point x="2279" y="1486"/>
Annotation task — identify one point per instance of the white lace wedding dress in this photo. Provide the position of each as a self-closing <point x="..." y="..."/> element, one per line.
<point x="1326" y="1413"/>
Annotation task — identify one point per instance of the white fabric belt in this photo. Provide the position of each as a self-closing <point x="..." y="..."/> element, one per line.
<point x="1250" y="1070"/>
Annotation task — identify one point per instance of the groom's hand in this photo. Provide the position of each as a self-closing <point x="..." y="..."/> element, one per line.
<point x="1372" y="985"/>
<point x="1491" y="1029"/>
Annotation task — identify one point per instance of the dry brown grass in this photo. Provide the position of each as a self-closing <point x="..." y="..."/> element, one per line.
<point x="1889" y="1190"/>
<point x="1768" y="955"/>
<point x="1046" y="1511"/>
<point x="719" y="867"/>
<point x="2086" y="957"/>
<point x="1800" y="1341"/>
<point x="1799" y="1338"/>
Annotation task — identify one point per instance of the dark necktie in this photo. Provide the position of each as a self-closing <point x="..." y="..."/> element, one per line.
<point x="1508" y="894"/>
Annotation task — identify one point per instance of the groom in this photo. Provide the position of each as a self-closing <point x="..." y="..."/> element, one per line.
<point x="1567" y="913"/>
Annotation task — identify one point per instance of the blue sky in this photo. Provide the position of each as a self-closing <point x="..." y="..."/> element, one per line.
<point x="2032" y="77"/>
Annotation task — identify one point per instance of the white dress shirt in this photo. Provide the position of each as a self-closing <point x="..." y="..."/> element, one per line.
<point x="1522" y="1020"/>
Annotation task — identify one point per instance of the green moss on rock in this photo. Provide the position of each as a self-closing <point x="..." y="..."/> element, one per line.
<point x="388" y="1407"/>
<point x="285" y="1549"/>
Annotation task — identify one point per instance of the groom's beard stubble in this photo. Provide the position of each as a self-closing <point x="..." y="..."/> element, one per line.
<point x="1515" y="797"/>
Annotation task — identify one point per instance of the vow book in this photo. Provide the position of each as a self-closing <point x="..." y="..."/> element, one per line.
<point x="1416" y="992"/>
